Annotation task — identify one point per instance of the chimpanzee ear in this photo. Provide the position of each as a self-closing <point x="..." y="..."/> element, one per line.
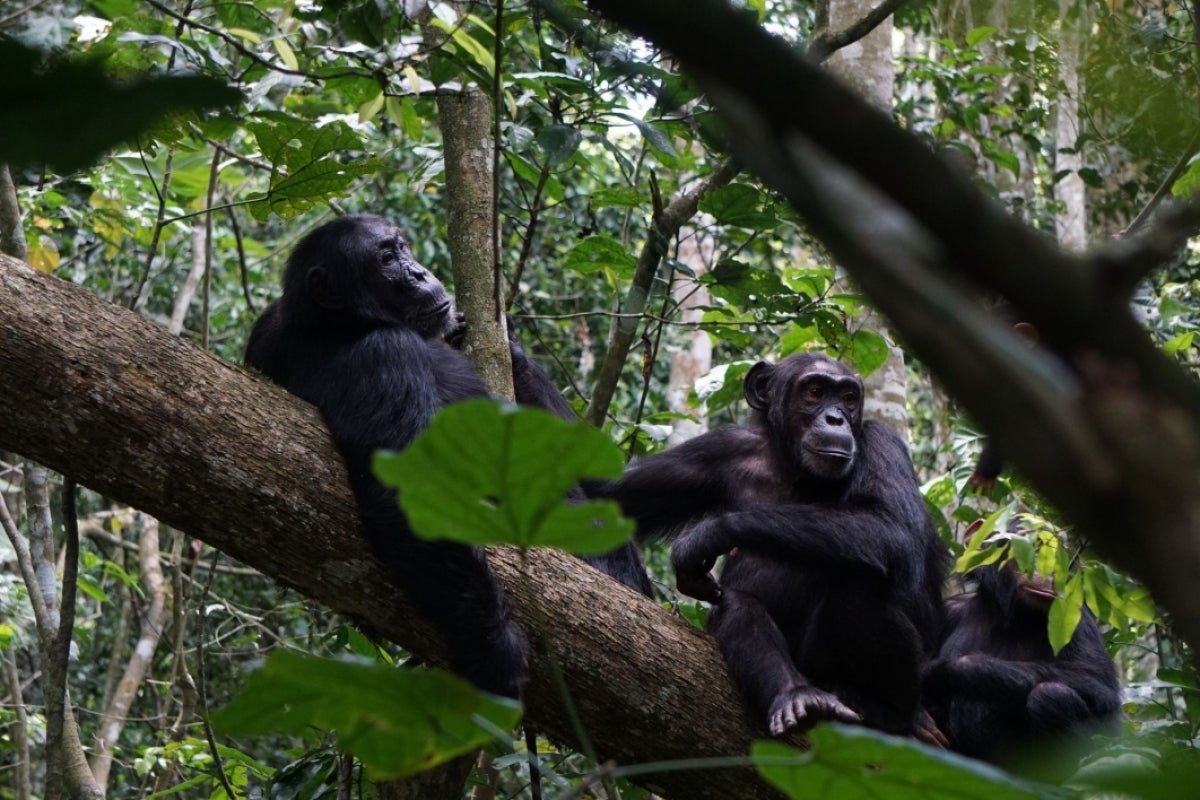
<point x="321" y="291"/>
<point x="757" y="385"/>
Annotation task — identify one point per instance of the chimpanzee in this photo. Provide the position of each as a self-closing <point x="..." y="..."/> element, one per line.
<point x="359" y="333"/>
<point x="830" y="601"/>
<point x="998" y="691"/>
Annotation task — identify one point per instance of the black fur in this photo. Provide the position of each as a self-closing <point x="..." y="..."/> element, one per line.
<point x="831" y="601"/>
<point x="998" y="691"/>
<point x="359" y="333"/>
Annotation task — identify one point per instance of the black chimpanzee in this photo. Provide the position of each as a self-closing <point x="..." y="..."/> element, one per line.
<point x="831" y="600"/>
<point x="359" y="333"/>
<point x="998" y="691"/>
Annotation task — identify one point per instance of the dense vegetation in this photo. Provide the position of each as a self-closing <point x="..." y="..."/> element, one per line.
<point x="641" y="264"/>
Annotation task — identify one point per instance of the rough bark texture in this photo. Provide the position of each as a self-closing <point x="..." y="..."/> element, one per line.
<point x="1070" y="224"/>
<point x="111" y="399"/>
<point x="465" y="120"/>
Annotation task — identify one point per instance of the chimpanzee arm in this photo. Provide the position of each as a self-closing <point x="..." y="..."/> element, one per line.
<point x="988" y="677"/>
<point x="716" y="471"/>
<point x="879" y="523"/>
<point x="379" y="392"/>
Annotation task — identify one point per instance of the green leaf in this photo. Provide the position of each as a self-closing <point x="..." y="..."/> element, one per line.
<point x="1007" y="161"/>
<point x="558" y="142"/>
<point x="657" y="139"/>
<point x="721" y="386"/>
<point x="855" y="763"/>
<point x="977" y="35"/>
<point x="1065" y="613"/>
<point x="396" y="721"/>
<point x="738" y="204"/>
<point x="600" y="252"/>
<point x="1177" y="345"/>
<point x="1189" y="182"/>
<point x="868" y="351"/>
<point x="68" y="114"/>
<point x="486" y="473"/>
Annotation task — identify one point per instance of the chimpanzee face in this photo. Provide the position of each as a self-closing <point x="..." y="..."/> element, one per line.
<point x="813" y="408"/>
<point x="408" y="292"/>
<point x="358" y="271"/>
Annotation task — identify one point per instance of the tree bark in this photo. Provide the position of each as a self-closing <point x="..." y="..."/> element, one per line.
<point x="867" y="66"/>
<point x="109" y="398"/>
<point x="465" y="120"/>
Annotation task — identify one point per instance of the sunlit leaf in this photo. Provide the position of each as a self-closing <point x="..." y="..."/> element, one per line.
<point x="977" y="35"/>
<point x="1065" y="613"/>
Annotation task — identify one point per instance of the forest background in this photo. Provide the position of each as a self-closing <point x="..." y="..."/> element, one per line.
<point x="654" y="221"/>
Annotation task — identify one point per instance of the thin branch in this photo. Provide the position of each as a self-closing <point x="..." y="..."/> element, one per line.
<point x="825" y="42"/>
<point x="666" y="226"/>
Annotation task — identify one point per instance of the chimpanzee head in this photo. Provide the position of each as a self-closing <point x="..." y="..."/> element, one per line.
<point x="811" y="407"/>
<point x="357" y="272"/>
<point x="1011" y="593"/>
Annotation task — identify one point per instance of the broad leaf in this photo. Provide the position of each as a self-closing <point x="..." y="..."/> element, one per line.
<point x="396" y="721"/>
<point x="486" y="473"/>
<point x="597" y="253"/>
<point x="853" y="763"/>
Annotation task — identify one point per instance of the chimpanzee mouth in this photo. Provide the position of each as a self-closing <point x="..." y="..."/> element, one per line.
<point x="1040" y="590"/>
<point x="442" y="310"/>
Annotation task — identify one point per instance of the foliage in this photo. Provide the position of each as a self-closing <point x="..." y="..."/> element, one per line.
<point x="596" y="131"/>
<point x="847" y="763"/>
<point x="511" y="490"/>
<point x="396" y="721"/>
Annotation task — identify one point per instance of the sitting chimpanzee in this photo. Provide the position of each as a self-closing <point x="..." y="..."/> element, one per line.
<point x="359" y="333"/>
<point x="831" y="600"/>
<point x="998" y="691"/>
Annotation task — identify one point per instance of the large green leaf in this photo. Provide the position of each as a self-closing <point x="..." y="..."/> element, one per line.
<point x="310" y="164"/>
<point x="599" y="252"/>
<point x="854" y="763"/>
<point x="68" y="114"/>
<point x="396" y="721"/>
<point x="486" y="473"/>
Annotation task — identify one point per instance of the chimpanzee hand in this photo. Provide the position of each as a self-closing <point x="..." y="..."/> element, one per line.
<point x="804" y="706"/>
<point x="458" y="331"/>
<point x="926" y="730"/>
<point x="692" y="559"/>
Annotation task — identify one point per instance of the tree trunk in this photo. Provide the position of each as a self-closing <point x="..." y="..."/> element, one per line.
<point x="465" y="120"/>
<point x="694" y="358"/>
<point x="867" y="65"/>
<point x="1070" y="225"/>
<point x="111" y="399"/>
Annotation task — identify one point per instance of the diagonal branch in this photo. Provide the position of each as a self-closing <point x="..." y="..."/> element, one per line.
<point x="111" y="399"/>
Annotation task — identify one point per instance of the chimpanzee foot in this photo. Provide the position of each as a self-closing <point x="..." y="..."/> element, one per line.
<point x="805" y="706"/>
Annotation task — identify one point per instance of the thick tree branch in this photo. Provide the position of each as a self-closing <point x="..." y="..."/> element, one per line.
<point x="109" y="398"/>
